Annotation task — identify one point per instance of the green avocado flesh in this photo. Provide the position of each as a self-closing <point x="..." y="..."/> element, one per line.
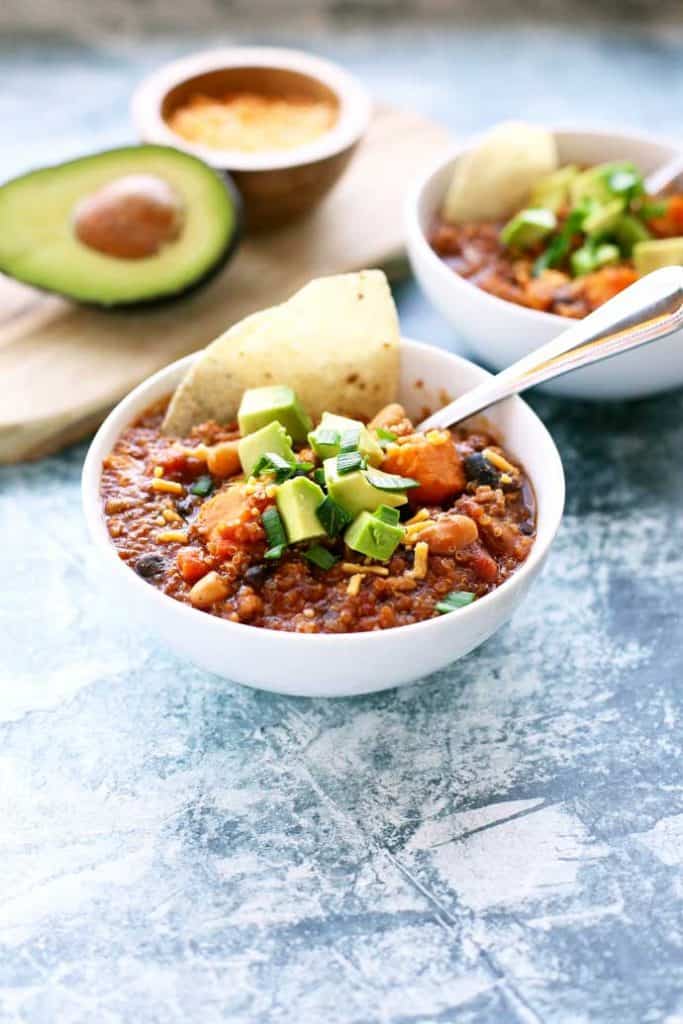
<point x="38" y="243"/>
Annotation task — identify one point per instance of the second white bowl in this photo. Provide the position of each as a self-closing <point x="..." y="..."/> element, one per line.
<point x="500" y="332"/>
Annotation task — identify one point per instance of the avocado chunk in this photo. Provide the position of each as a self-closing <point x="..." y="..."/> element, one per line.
<point x="297" y="501"/>
<point x="661" y="252"/>
<point x="355" y="493"/>
<point x="271" y="438"/>
<point x="528" y="227"/>
<point x="552" y="190"/>
<point x="326" y="440"/>
<point x="605" y="181"/>
<point x="630" y="230"/>
<point x="373" y="537"/>
<point x="260" y="406"/>
<point x="122" y="227"/>
<point x="603" y="218"/>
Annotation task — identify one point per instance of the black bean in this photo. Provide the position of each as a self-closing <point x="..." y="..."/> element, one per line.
<point x="185" y="506"/>
<point x="527" y="527"/>
<point x="256" y="575"/>
<point x="478" y="467"/>
<point x="149" y="565"/>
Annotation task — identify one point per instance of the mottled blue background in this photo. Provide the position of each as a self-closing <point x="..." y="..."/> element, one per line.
<point x="501" y="843"/>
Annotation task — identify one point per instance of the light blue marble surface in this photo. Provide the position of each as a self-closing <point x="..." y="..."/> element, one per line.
<point x="501" y="843"/>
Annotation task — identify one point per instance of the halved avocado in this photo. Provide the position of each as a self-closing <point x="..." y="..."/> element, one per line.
<point x="121" y="227"/>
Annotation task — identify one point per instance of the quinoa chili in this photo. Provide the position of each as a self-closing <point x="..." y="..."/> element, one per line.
<point x="585" y="235"/>
<point x="185" y="517"/>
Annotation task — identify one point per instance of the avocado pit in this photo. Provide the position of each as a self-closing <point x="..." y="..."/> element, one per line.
<point x="130" y="218"/>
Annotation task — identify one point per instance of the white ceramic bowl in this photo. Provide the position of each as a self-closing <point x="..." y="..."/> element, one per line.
<point x="500" y="332"/>
<point x="334" y="665"/>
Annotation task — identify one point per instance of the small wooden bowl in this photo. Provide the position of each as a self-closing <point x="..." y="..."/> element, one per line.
<point x="277" y="185"/>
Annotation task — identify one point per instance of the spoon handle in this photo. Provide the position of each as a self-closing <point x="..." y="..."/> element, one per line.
<point x="649" y="309"/>
<point x="664" y="176"/>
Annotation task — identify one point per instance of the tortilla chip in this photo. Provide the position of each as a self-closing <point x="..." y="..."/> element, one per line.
<point x="495" y="179"/>
<point x="335" y="342"/>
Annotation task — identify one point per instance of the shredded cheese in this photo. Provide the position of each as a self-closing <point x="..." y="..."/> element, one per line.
<point x="419" y="570"/>
<point x="419" y="517"/>
<point x="158" y="471"/>
<point x="499" y="461"/>
<point x="376" y="570"/>
<point x="354" y="584"/>
<point x="172" y="537"/>
<point x="167" y="486"/>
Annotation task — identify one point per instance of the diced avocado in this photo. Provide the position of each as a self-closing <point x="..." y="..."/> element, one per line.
<point x="297" y="501"/>
<point x="355" y="494"/>
<point x="321" y="443"/>
<point x="121" y="227"/>
<point x="661" y="252"/>
<point x="528" y="227"/>
<point x="260" y="406"/>
<point x="552" y="190"/>
<point x="373" y="537"/>
<point x="603" y="218"/>
<point x="271" y="438"/>
<point x="598" y="183"/>
<point x="630" y="230"/>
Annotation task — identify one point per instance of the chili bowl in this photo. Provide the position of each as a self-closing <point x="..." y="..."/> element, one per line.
<point x="333" y="665"/>
<point x="499" y="332"/>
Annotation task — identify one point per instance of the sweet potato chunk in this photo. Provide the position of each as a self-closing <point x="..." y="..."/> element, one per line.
<point x="230" y="504"/>
<point x="431" y="460"/>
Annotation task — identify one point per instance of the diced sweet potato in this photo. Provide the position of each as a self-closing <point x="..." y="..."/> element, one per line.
<point x="434" y="462"/>
<point x="191" y="564"/>
<point x="230" y="504"/>
<point x="606" y="283"/>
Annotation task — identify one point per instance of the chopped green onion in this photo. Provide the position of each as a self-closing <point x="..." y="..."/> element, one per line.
<point x="388" y="436"/>
<point x="275" y="552"/>
<point x="625" y="180"/>
<point x="388" y="514"/>
<point x="202" y="486"/>
<point x="456" y="599"/>
<point x="350" y="440"/>
<point x="333" y="517"/>
<point x="321" y="557"/>
<point x="303" y="468"/>
<point x="347" y="462"/>
<point x="390" y="482"/>
<point x="319" y="476"/>
<point x="651" y="209"/>
<point x="275" y="531"/>
<point x="323" y="435"/>
<point x="272" y="462"/>
<point x="559" y="245"/>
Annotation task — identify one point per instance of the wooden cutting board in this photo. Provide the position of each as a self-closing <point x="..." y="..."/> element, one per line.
<point x="62" y="367"/>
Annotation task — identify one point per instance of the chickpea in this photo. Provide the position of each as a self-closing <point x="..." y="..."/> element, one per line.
<point x="208" y="590"/>
<point x="449" y="534"/>
<point x="223" y="459"/>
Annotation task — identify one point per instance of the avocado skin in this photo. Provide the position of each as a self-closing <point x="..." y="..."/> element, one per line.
<point x="153" y="301"/>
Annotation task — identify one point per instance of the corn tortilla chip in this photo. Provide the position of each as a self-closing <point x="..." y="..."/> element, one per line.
<point x="335" y="342"/>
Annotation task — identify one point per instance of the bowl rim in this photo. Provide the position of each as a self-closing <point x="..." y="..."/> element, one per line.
<point x="417" y="238"/>
<point x="135" y="402"/>
<point x="355" y="106"/>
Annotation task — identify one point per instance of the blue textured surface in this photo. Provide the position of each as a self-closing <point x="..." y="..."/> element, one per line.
<point x="502" y="843"/>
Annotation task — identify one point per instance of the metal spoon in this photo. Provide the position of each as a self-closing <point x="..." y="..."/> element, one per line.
<point x="647" y="310"/>
<point x="664" y="176"/>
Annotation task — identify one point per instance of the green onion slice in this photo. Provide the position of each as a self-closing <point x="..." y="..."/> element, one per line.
<point x="456" y="599"/>
<point x="347" y="462"/>
<point x="275" y="531"/>
<point x="388" y="436"/>
<point x="302" y="468"/>
<point x="275" y="552"/>
<point x="350" y="440"/>
<point x="652" y="208"/>
<point x="387" y="514"/>
<point x="332" y="517"/>
<point x="319" y="476"/>
<point x="202" y="486"/>
<point x="321" y="557"/>
<point x="390" y="482"/>
<point x="323" y="435"/>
